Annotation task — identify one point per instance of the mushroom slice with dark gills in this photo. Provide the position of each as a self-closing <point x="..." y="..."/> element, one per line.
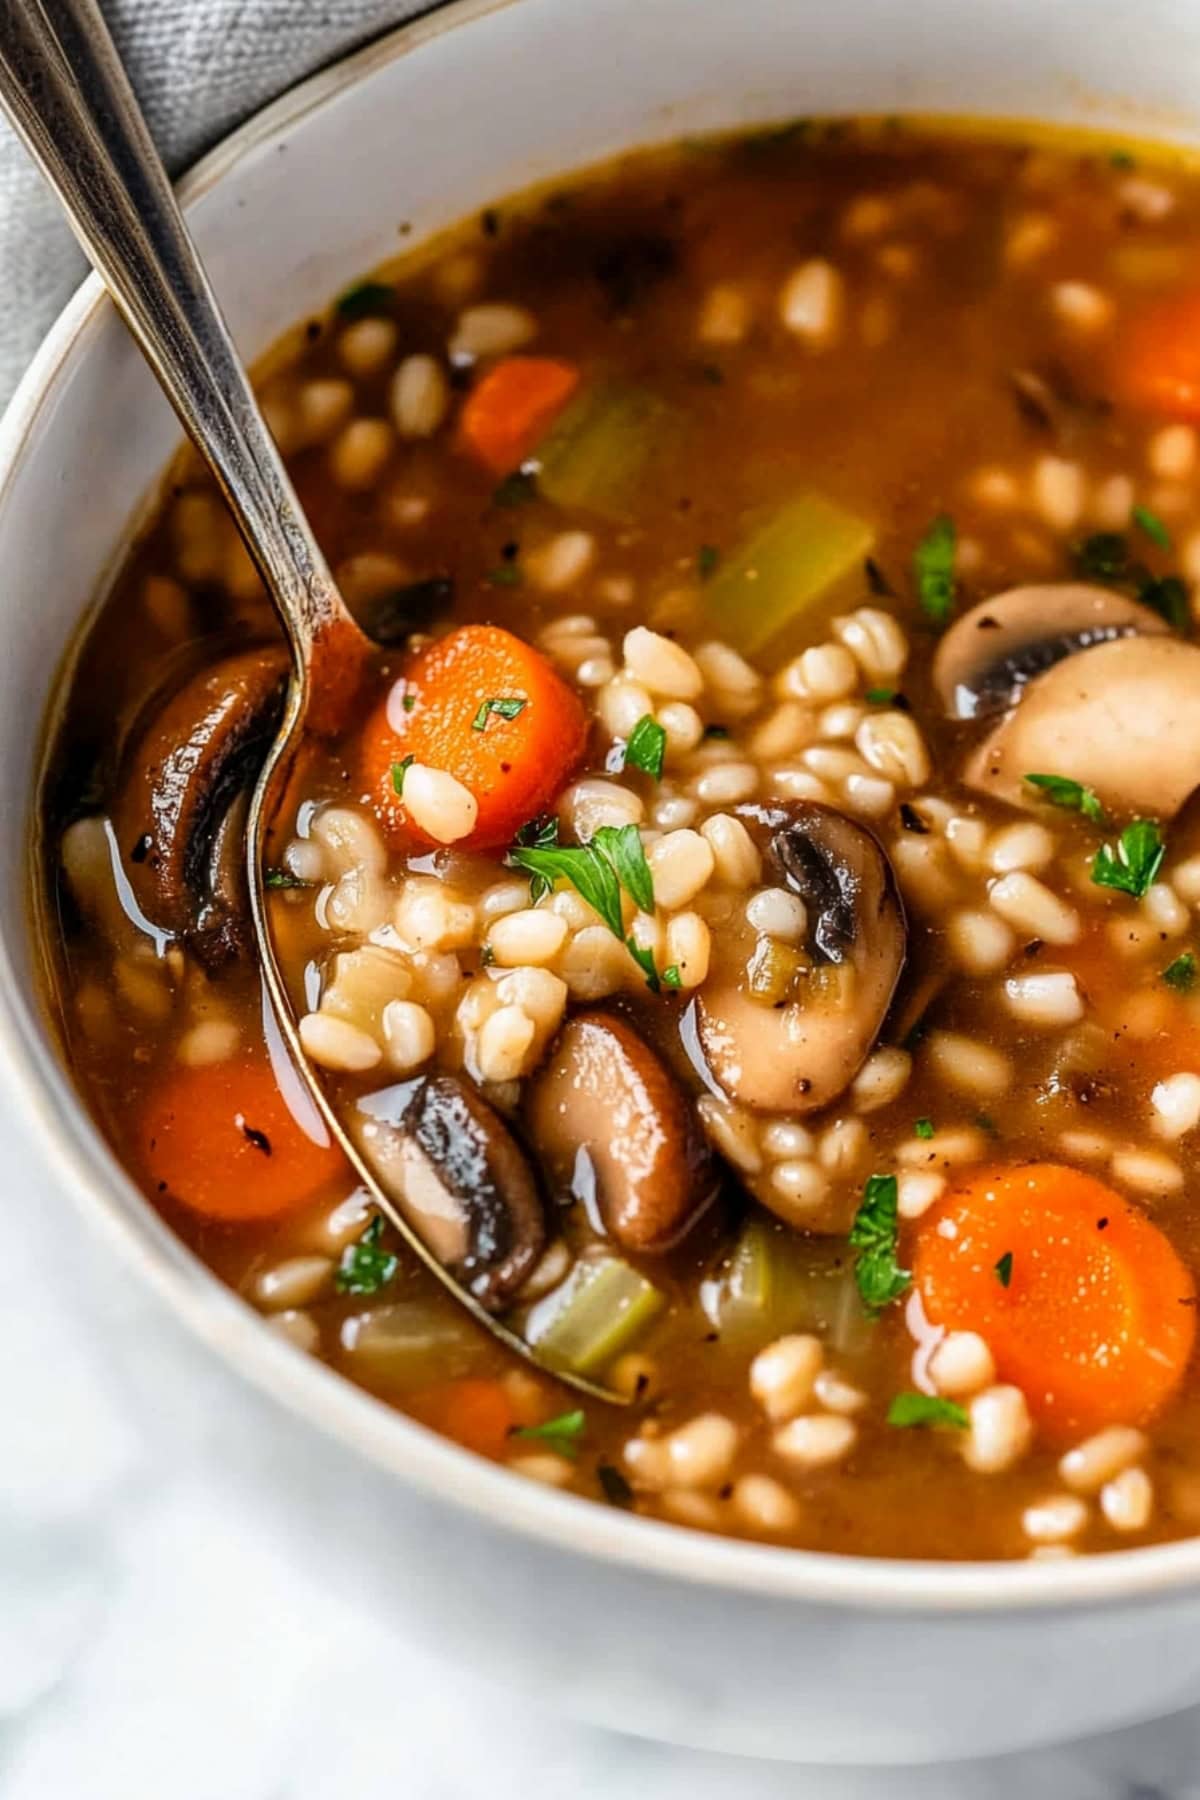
<point x="460" y="1178"/>
<point x="180" y="817"/>
<point x="785" y="1022"/>
<point x="612" y="1126"/>
<point x="988" y="658"/>
<point x="1122" y="719"/>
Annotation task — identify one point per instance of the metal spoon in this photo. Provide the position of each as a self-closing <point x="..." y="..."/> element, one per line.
<point x="64" y="89"/>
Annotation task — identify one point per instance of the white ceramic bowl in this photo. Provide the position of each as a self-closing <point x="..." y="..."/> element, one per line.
<point x="639" y="1625"/>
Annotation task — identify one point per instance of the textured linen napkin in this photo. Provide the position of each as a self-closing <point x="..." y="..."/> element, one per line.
<point x="199" y="67"/>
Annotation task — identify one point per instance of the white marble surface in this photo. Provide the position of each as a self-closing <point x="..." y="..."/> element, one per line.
<point x="154" y="1642"/>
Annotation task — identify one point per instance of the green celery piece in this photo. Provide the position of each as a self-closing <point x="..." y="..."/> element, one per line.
<point x="598" y="1312"/>
<point x="773" y="1281"/>
<point x="594" y="457"/>
<point x="794" y="559"/>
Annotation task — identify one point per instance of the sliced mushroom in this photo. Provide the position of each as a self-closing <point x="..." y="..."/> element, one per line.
<point x="1122" y="718"/>
<point x="184" y="774"/>
<point x="459" y="1177"/>
<point x="797" y="1047"/>
<point x="613" y="1127"/>
<point x="990" y="655"/>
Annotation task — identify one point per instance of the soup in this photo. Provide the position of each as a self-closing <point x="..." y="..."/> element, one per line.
<point x="748" y="924"/>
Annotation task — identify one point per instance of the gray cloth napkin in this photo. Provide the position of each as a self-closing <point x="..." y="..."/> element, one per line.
<point x="199" y="67"/>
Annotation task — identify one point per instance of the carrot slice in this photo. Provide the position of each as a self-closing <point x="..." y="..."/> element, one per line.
<point x="1158" y="359"/>
<point x="508" y="410"/>
<point x="474" y="1411"/>
<point x="489" y="710"/>
<point x="1083" y="1302"/>
<point x="222" y="1140"/>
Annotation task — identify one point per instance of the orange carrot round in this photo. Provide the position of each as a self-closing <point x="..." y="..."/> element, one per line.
<point x="507" y="411"/>
<point x="1157" y="365"/>
<point x="489" y="710"/>
<point x="1081" y="1299"/>
<point x="475" y="1411"/>
<point x="222" y="1140"/>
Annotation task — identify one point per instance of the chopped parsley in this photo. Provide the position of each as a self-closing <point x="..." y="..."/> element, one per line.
<point x="1181" y="974"/>
<point x="516" y="489"/>
<point x="1106" y="556"/>
<point x="926" y="1409"/>
<point x="1072" y="796"/>
<point x="671" y="978"/>
<point x="923" y="1128"/>
<point x="614" y="859"/>
<point x="707" y="559"/>
<point x="716" y="731"/>
<point x="503" y="708"/>
<point x="875" y="1235"/>
<point x="561" y="1434"/>
<point x="645" y="961"/>
<point x="505" y="574"/>
<point x="1152" y="525"/>
<point x="399" y="771"/>
<point x="880" y="696"/>
<point x="647" y="747"/>
<point x="1004" y="1269"/>
<point x="283" y="878"/>
<point x="1134" y="864"/>
<point x="933" y="569"/>
<point x="364" y="1267"/>
<point x="1168" y="596"/>
<point x="365" y="299"/>
<point x="613" y="1485"/>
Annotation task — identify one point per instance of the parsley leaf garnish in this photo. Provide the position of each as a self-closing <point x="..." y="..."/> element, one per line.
<point x="671" y="977"/>
<point x="875" y="1235"/>
<point x="561" y="1434"/>
<point x="646" y="747"/>
<point x="507" y="574"/>
<point x="1168" y="596"/>
<point x="1072" y="796"/>
<point x="926" y="1409"/>
<point x="364" y="299"/>
<point x="1152" y="525"/>
<point x="879" y="696"/>
<point x="707" y="558"/>
<point x="645" y="961"/>
<point x="1181" y="974"/>
<point x="614" y="859"/>
<point x="923" y="1128"/>
<point x="1004" y="1269"/>
<point x="364" y="1267"/>
<point x="283" y="878"/>
<point x="613" y="1485"/>
<point x="933" y="569"/>
<point x="621" y="845"/>
<point x="399" y="771"/>
<point x="502" y="707"/>
<point x="1133" y="866"/>
<point x="1103" y="557"/>
<point x="516" y="489"/>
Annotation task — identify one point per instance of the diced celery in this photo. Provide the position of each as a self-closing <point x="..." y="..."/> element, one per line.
<point x="774" y="1280"/>
<point x="786" y="566"/>
<point x="597" y="1312"/>
<point x="596" y="454"/>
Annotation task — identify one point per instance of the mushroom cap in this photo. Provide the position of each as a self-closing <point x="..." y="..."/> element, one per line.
<point x="988" y="657"/>
<point x="799" y="1054"/>
<point x="460" y="1178"/>
<point x="1123" y="718"/>
<point x="183" y="774"/>
<point x="613" y="1127"/>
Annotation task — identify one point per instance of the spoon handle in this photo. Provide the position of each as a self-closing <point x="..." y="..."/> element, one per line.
<point x="66" y="93"/>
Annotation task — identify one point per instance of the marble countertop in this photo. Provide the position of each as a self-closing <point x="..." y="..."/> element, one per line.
<point x="154" y="1641"/>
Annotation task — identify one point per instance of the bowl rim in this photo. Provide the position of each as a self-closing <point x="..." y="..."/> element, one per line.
<point x="329" y="1403"/>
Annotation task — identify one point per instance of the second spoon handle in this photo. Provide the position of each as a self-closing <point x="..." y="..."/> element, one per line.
<point x="63" y="86"/>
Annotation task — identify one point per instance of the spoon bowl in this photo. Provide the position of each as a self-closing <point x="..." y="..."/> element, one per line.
<point x="66" y="93"/>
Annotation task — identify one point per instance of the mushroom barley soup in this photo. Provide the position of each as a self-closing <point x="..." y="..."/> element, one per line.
<point x="750" y="922"/>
